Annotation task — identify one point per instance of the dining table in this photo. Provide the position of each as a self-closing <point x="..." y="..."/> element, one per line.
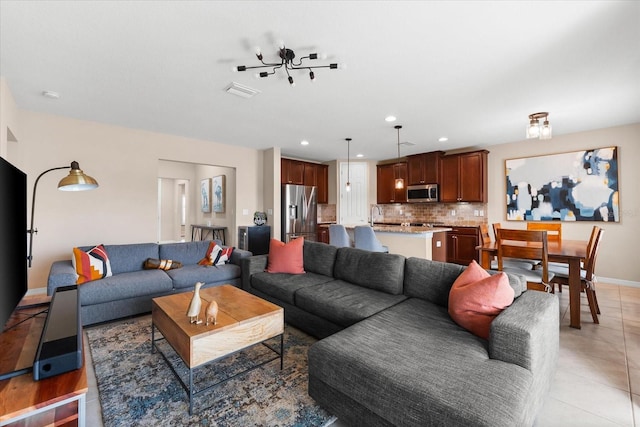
<point x="570" y="252"/>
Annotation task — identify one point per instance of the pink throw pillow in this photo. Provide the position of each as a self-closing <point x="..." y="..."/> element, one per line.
<point x="286" y="258"/>
<point x="477" y="297"/>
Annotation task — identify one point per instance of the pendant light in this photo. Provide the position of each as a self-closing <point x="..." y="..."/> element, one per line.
<point x="534" y="130"/>
<point x="399" y="181"/>
<point x="348" y="186"/>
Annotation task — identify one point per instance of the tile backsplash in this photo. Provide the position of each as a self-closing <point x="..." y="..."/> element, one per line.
<point x="461" y="214"/>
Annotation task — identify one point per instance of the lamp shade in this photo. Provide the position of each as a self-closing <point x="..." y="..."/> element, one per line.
<point x="77" y="180"/>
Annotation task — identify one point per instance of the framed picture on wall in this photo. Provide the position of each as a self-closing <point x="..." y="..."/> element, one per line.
<point x="205" y="195"/>
<point x="219" y="193"/>
<point x="574" y="186"/>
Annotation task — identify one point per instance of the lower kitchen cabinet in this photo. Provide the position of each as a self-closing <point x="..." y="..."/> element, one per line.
<point x="461" y="245"/>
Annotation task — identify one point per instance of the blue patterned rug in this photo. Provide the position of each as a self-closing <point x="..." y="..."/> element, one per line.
<point x="137" y="387"/>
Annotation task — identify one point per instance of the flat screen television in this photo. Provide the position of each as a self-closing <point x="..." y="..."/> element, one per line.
<point x="13" y="238"/>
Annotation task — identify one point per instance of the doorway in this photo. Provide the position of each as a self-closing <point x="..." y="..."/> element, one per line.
<point x="353" y="204"/>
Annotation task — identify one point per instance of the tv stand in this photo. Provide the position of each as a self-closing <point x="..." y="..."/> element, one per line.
<point x="58" y="400"/>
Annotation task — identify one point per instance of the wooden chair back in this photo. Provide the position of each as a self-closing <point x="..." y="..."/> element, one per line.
<point x="524" y="244"/>
<point x="553" y="229"/>
<point x="484" y="234"/>
<point x="592" y="252"/>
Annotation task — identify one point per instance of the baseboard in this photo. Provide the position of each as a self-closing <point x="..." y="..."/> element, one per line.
<point x="620" y="282"/>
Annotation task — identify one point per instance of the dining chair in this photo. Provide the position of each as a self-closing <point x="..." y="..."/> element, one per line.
<point x="366" y="239"/>
<point x="524" y="263"/>
<point x="532" y="262"/>
<point x="587" y="274"/>
<point x="553" y="229"/>
<point x="525" y="244"/>
<point x="338" y="236"/>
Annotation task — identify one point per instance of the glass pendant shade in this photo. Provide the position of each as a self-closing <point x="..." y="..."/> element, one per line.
<point x="347" y="187"/>
<point x="546" y="132"/>
<point x="533" y="130"/>
<point x="399" y="183"/>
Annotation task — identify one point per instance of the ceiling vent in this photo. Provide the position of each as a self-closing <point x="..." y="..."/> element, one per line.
<point x="241" y="90"/>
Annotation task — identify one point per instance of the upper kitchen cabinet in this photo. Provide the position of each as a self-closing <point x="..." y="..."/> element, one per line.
<point x="424" y="168"/>
<point x="386" y="188"/>
<point x="291" y="171"/>
<point x="305" y="173"/>
<point x="463" y="177"/>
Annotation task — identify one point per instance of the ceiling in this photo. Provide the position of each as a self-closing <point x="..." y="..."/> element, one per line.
<point x="468" y="70"/>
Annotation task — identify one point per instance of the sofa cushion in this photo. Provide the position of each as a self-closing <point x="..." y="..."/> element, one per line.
<point x="319" y="258"/>
<point x="476" y="298"/>
<point x="374" y="270"/>
<point x="188" y="253"/>
<point x="91" y="265"/>
<point x="413" y="356"/>
<point x="286" y="257"/>
<point x="131" y="257"/>
<point x="189" y="275"/>
<point x="284" y="286"/>
<point x="125" y="285"/>
<point x="344" y="303"/>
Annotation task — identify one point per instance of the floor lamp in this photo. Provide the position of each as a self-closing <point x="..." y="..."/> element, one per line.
<point x="75" y="181"/>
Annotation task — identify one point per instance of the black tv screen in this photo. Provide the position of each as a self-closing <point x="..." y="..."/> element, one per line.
<point x="13" y="238"/>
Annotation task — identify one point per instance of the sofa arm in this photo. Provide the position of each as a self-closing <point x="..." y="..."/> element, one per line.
<point x="238" y="254"/>
<point x="527" y="332"/>
<point x="61" y="273"/>
<point x="250" y="266"/>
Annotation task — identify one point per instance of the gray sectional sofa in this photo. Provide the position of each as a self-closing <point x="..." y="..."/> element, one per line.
<point x="390" y="354"/>
<point x="130" y="289"/>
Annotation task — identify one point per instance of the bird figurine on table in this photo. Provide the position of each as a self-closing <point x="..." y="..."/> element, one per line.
<point x="196" y="304"/>
<point x="211" y="313"/>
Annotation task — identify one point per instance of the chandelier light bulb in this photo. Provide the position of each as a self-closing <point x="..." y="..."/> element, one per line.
<point x="348" y="186"/>
<point x="545" y="132"/>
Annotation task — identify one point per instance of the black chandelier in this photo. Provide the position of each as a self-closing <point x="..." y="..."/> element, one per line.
<point x="286" y="60"/>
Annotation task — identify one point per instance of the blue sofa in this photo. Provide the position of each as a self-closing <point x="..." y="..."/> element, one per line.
<point x="390" y="354"/>
<point x="130" y="289"/>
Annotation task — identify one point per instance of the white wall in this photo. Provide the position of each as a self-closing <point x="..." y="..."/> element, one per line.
<point x="126" y="164"/>
<point x="618" y="256"/>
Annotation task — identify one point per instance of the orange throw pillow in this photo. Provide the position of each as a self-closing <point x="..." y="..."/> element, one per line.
<point x="477" y="297"/>
<point x="286" y="258"/>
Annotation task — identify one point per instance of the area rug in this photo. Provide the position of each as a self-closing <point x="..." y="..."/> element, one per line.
<point x="137" y="387"/>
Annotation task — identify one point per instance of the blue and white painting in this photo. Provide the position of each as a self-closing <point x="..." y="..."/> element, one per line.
<point x="576" y="186"/>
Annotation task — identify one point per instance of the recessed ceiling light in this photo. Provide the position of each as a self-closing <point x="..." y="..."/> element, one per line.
<point x="443" y="139"/>
<point x="50" y="94"/>
<point x="359" y="155"/>
<point x="390" y="118"/>
<point x="304" y="142"/>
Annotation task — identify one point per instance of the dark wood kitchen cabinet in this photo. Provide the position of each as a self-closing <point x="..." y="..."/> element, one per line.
<point x="386" y="186"/>
<point x="424" y="168"/>
<point x="291" y="171"/>
<point x="306" y="173"/>
<point x="463" y="177"/>
<point x="461" y="245"/>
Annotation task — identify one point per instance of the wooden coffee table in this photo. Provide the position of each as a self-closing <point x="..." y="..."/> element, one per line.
<point x="243" y="320"/>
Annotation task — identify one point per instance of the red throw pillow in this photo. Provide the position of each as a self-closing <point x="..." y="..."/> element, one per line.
<point x="477" y="297"/>
<point x="286" y="258"/>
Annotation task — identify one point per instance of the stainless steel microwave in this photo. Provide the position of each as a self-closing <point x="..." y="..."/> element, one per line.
<point x="422" y="193"/>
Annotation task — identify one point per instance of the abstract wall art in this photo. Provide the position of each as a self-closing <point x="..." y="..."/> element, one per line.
<point x="575" y="186"/>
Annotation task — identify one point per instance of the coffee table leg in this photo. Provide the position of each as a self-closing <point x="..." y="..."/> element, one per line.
<point x="153" y="342"/>
<point x="190" y="391"/>
<point x="281" y="351"/>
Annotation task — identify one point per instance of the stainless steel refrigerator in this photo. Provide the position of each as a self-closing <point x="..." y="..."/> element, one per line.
<point x="299" y="212"/>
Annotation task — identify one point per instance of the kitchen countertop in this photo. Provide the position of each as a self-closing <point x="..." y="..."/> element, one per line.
<point x="390" y="228"/>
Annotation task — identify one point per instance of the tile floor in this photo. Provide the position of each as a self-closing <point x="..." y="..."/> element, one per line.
<point x="598" y="378"/>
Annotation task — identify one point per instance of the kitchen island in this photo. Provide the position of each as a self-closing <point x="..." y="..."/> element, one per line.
<point x="426" y="242"/>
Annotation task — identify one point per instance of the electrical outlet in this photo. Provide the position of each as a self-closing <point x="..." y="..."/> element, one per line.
<point x="245" y="211"/>
<point x="475" y="212"/>
<point x="269" y="211"/>
<point x="481" y="212"/>
<point x="438" y="244"/>
<point x="453" y="212"/>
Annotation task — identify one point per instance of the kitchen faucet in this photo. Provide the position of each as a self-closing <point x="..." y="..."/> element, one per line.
<point x="379" y="212"/>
